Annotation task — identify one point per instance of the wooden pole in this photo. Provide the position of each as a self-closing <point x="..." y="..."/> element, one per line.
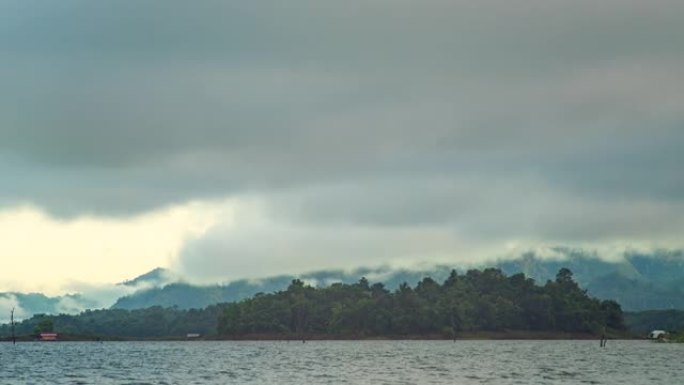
<point x="14" y="338"/>
<point x="604" y="339"/>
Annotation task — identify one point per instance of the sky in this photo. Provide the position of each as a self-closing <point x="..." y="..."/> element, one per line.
<point x="231" y="139"/>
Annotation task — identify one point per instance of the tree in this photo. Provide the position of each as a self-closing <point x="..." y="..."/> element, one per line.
<point x="45" y="325"/>
<point x="564" y="276"/>
<point x="478" y="300"/>
<point x="613" y="315"/>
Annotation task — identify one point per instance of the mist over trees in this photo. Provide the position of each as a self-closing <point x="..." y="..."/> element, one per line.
<point x="484" y="300"/>
<point x="637" y="281"/>
<point x="479" y="300"/>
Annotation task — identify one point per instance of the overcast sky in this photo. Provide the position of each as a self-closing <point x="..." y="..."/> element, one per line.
<point x="228" y="139"/>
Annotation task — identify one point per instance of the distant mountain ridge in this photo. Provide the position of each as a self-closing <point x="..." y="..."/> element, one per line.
<point x="637" y="282"/>
<point x="154" y="278"/>
<point x="187" y="296"/>
<point x="28" y="304"/>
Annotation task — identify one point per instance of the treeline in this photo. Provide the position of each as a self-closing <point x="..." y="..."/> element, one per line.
<point x="484" y="300"/>
<point x="153" y="322"/>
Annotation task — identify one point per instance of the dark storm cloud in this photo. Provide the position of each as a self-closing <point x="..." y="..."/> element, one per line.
<point x="488" y="118"/>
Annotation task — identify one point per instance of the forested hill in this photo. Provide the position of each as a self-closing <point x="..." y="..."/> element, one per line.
<point x="637" y="281"/>
<point x="486" y="300"/>
<point x="153" y="322"/>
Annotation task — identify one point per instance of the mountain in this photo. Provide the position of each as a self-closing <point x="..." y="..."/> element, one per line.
<point x="155" y="277"/>
<point x="28" y="304"/>
<point x="637" y="281"/>
<point x="187" y="296"/>
<point x="645" y="321"/>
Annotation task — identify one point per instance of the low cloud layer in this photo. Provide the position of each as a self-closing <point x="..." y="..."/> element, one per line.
<point x="9" y="303"/>
<point x="363" y="131"/>
<point x="374" y="225"/>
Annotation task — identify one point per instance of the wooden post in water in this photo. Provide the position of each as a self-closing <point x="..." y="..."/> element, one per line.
<point x="603" y="338"/>
<point x="14" y="338"/>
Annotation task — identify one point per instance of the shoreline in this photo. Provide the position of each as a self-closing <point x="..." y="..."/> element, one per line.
<point x="465" y="336"/>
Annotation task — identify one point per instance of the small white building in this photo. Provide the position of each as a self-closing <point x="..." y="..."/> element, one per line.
<point x="657" y="334"/>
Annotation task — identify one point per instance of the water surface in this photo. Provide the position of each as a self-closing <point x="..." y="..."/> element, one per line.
<point x="336" y="362"/>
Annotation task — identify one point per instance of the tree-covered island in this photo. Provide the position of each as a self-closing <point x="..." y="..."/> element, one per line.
<point x="479" y="301"/>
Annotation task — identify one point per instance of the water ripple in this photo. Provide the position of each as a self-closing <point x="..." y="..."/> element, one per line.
<point x="335" y="362"/>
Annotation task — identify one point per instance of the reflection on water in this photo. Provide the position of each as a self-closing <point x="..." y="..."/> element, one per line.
<point x="329" y="362"/>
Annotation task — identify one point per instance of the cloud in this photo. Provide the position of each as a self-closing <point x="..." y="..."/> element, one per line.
<point x="175" y="102"/>
<point x="7" y="303"/>
<point x="405" y="128"/>
<point x="342" y="226"/>
<point x="258" y="250"/>
<point x="100" y="295"/>
<point x="45" y="253"/>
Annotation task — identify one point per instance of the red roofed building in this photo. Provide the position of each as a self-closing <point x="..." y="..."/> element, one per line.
<point x="48" y="336"/>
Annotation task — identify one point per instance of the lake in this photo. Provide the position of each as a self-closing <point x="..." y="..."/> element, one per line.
<point x="336" y="362"/>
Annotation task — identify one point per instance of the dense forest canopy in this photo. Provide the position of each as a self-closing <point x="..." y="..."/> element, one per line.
<point x="153" y="322"/>
<point x="486" y="300"/>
